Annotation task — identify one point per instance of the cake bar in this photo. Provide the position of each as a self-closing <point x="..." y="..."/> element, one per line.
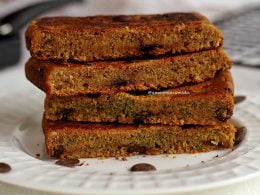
<point x="206" y="103"/>
<point x="113" y="37"/>
<point x="66" y="78"/>
<point x="66" y="139"/>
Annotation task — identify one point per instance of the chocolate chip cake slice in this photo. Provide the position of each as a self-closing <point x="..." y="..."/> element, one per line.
<point x="66" y="139"/>
<point x="206" y="103"/>
<point x="113" y="37"/>
<point x="66" y="79"/>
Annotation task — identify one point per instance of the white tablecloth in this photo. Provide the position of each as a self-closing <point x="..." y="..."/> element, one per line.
<point x="246" y="79"/>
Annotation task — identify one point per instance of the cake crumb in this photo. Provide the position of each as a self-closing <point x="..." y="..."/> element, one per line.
<point x="70" y="162"/>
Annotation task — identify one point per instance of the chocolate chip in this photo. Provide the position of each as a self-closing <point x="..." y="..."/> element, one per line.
<point x="138" y="120"/>
<point x="223" y="114"/>
<point x="186" y="43"/>
<point x="229" y="90"/>
<point x="140" y="93"/>
<point x="187" y="126"/>
<point x="240" y="134"/>
<point x="58" y="151"/>
<point x="143" y="167"/>
<point x="147" y="49"/>
<point x="136" y="148"/>
<point x="65" y="112"/>
<point x="94" y="95"/>
<point x="163" y="16"/>
<point x="119" y="83"/>
<point x="140" y="117"/>
<point x="122" y="18"/>
<point x="239" y="98"/>
<point x="4" y="168"/>
<point x="86" y="85"/>
<point x="157" y="145"/>
<point x="70" y="162"/>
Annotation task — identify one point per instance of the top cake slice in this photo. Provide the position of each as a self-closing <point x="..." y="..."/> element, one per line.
<point x="116" y="37"/>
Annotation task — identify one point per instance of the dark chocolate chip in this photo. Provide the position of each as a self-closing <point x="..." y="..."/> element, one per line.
<point x="58" y="151"/>
<point x="187" y="126"/>
<point x="229" y="90"/>
<point x="157" y="145"/>
<point x="4" y="168"/>
<point x="139" y="93"/>
<point x="94" y="95"/>
<point x="65" y="112"/>
<point x="148" y="48"/>
<point x="70" y="162"/>
<point x="140" y="117"/>
<point x="239" y="98"/>
<point x="179" y="18"/>
<point x="223" y="114"/>
<point x="136" y="148"/>
<point x="122" y="18"/>
<point x="186" y="43"/>
<point x="240" y="134"/>
<point x="143" y="167"/>
<point x="163" y="16"/>
<point x="85" y="85"/>
<point x="39" y="53"/>
<point x="138" y="120"/>
<point x="119" y="83"/>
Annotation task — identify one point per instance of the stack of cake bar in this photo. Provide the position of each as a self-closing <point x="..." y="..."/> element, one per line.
<point x="125" y="85"/>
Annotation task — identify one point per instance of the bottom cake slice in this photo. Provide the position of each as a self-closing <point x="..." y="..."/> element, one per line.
<point x="66" y="139"/>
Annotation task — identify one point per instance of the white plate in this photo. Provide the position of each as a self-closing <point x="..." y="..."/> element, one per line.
<point x="21" y="139"/>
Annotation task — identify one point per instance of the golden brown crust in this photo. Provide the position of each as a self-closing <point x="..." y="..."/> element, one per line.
<point x="114" y="37"/>
<point x="66" y="79"/>
<point x="94" y="23"/>
<point x="207" y="103"/>
<point x="66" y="139"/>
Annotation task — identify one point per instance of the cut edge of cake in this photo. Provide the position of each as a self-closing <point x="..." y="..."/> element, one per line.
<point x="65" y="139"/>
